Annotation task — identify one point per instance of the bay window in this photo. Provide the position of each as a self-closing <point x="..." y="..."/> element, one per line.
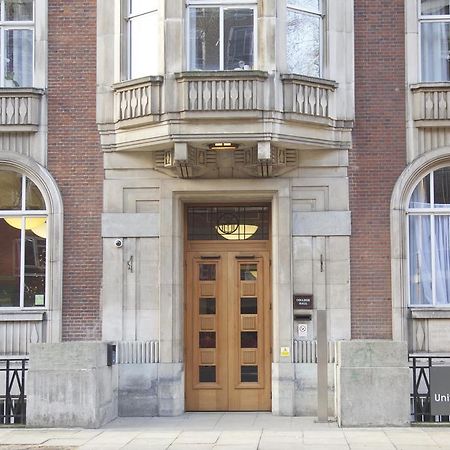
<point x="221" y="37"/>
<point x="16" y="43"/>
<point x="429" y="240"/>
<point x="23" y="242"/>
<point x="304" y="37"/>
<point x="435" y="39"/>
<point x="142" y="38"/>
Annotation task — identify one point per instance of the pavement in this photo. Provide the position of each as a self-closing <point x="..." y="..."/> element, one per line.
<point x="225" y="431"/>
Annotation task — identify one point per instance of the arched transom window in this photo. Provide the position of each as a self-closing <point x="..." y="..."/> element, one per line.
<point x="429" y="240"/>
<point x="23" y="242"/>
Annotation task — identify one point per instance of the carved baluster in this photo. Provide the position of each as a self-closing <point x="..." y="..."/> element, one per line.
<point x="22" y="110"/>
<point x="234" y="95"/>
<point x="206" y="96"/>
<point x="10" y="111"/>
<point x="428" y="105"/>
<point x="192" y="96"/>
<point x="299" y="107"/>
<point x="220" y="95"/>
<point x="227" y="95"/>
<point x="248" y="95"/>
<point x="442" y="105"/>
<point x="145" y="104"/>
<point x="213" y="95"/>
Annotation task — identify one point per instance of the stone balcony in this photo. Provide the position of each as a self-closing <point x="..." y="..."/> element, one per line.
<point x="20" y="109"/>
<point x="251" y="108"/>
<point x="431" y="104"/>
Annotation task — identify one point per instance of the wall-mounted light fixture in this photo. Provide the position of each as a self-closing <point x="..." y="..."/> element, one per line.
<point x="223" y="146"/>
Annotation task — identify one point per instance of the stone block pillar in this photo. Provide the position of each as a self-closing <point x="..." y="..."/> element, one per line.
<point x="70" y="385"/>
<point x="372" y="385"/>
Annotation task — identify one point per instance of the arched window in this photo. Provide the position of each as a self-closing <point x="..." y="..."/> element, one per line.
<point x="429" y="240"/>
<point x="23" y="242"/>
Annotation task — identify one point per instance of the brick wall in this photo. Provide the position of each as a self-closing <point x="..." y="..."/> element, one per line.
<point x="75" y="160"/>
<point x="377" y="159"/>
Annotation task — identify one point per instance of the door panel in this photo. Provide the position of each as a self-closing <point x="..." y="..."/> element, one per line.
<point x="227" y="323"/>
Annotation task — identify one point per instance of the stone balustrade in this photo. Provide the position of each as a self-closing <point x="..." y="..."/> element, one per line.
<point x="431" y="101"/>
<point x="138" y="99"/>
<point x="222" y="91"/>
<point x="308" y="96"/>
<point x="19" y="109"/>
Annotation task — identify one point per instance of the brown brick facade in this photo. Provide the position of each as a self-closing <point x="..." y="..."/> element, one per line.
<point x="75" y="159"/>
<point x="376" y="161"/>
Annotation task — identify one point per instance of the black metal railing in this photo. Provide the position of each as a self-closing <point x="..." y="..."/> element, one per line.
<point x="420" y="393"/>
<point x="13" y="399"/>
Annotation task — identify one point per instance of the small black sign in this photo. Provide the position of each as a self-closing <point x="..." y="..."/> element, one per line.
<point x="303" y="301"/>
<point x="440" y="390"/>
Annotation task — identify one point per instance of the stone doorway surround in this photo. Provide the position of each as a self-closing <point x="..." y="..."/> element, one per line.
<point x="174" y="195"/>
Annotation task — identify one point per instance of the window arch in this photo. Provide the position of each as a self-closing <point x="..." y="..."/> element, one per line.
<point x="428" y="226"/>
<point x="23" y="239"/>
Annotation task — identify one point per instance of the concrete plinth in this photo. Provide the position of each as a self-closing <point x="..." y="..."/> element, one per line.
<point x="372" y="384"/>
<point x="70" y="385"/>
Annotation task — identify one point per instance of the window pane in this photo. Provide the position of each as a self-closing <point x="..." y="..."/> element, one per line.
<point x="204" y="44"/>
<point x="19" y="58"/>
<point x="9" y="264"/>
<point x="207" y="306"/>
<point x="207" y="374"/>
<point x="303" y="43"/>
<point x="435" y="7"/>
<point x="442" y="264"/>
<point x="238" y="39"/>
<point x="249" y="305"/>
<point x="420" y="198"/>
<point x="18" y="10"/>
<point x="420" y="260"/>
<point x="144" y="44"/>
<point x="207" y="272"/>
<point x="142" y="6"/>
<point x="249" y="272"/>
<point x="309" y="5"/>
<point x="207" y="339"/>
<point x="34" y="294"/>
<point x="442" y="188"/>
<point x="249" y="339"/>
<point x="435" y="51"/>
<point x="10" y="190"/>
<point x="34" y="199"/>
<point x="249" y="374"/>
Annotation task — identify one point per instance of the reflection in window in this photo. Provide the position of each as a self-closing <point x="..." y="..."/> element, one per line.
<point x="303" y="40"/>
<point x="207" y="306"/>
<point x="17" y="43"/>
<point x="207" y="374"/>
<point x="249" y="272"/>
<point x="435" y="40"/>
<point x="249" y="374"/>
<point x="221" y="38"/>
<point x="23" y="240"/>
<point x="429" y="240"/>
<point x="249" y="305"/>
<point x="143" y="38"/>
<point x="249" y="339"/>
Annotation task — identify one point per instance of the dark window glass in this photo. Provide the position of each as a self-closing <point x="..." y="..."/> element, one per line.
<point x="207" y="306"/>
<point x="249" y="272"/>
<point x="442" y="187"/>
<point x="207" y="374"/>
<point x="9" y="263"/>
<point x="10" y="190"/>
<point x="207" y="339"/>
<point x="249" y="374"/>
<point x="207" y="272"/>
<point x="421" y="198"/>
<point x="34" y="294"/>
<point x="249" y="305"/>
<point x="249" y="339"/>
<point x="238" y="39"/>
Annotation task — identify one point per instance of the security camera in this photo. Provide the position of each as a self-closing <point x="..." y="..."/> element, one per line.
<point x="118" y="243"/>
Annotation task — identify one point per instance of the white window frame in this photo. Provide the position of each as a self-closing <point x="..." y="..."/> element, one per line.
<point x="321" y="16"/>
<point x="222" y="6"/>
<point x="16" y="25"/>
<point x="427" y="18"/>
<point x="24" y="213"/>
<point x="128" y="17"/>
<point x="431" y="212"/>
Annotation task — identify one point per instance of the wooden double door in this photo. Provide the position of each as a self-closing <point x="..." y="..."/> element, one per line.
<point x="227" y="329"/>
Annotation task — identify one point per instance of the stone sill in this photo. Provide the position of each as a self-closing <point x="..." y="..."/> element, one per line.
<point x="21" y="92"/>
<point x="22" y="316"/>
<point x="313" y="81"/>
<point x="430" y="86"/>
<point x="137" y="82"/>
<point x="430" y="313"/>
